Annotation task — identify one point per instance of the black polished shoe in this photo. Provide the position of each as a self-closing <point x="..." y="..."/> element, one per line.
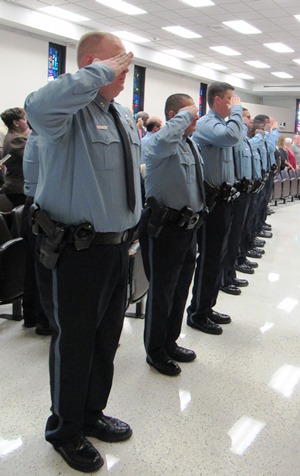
<point x="231" y="289"/>
<point x="108" y="429"/>
<point x="219" y="318"/>
<point x="180" y="354"/>
<point x="80" y="454"/>
<point x="267" y="227"/>
<point x="261" y="251"/>
<point x="41" y="330"/>
<point x="269" y="211"/>
<point x="205" y="325"/>
<point x="166" y="366"/>
<point x="265" y="234"/>
<point x="244" y="268"/>
<point x="259" y="243"/>
<point x="253" y="254"/>
<point x="251" y="264"/>
<point x="241" y="283"/>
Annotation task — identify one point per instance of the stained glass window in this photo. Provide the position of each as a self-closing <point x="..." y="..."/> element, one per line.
<point x="56" y="61"/>
<point x="138" y="89"/>
<point x="202" y="99"/>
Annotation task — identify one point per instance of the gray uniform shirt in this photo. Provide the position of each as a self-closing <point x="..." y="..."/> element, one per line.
<point x="82" y="174"/>
<point x="31" y="165"/>
<point x="170" y="166"/>
<point x="216" y="138"/>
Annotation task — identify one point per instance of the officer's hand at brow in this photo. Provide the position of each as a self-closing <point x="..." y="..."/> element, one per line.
<point x="192" y="109"/>
<point x="118" y="63"/>
<point x="235" y="101"/>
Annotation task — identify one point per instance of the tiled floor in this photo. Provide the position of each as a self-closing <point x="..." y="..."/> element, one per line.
<point x="234" y="411"/>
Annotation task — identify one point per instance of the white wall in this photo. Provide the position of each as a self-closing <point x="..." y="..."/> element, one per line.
<point x="24" y="64"/>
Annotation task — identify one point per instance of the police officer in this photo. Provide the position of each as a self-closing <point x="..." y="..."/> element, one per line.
<point x="33" y="312"/>
<point x="254" y="139"/>
<point x="216" y="138"/>
<point x="230" y="284"/>
<point x="89" y="203"/>
<point x="175" y="203"/>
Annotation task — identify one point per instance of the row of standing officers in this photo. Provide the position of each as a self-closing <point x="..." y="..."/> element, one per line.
<point x="86" y="213"/>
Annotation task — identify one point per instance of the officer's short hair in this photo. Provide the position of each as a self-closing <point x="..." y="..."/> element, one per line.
<point x="151" y="123"/>
<point x="175" y="102"/>
<point x="217" y="88"/>
<point x="261" y="118"/>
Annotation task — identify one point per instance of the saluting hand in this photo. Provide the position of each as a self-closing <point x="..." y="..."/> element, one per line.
<point x="117" y="63"/>
<point x="234" y="101"/>
<point x="192" y="109"/>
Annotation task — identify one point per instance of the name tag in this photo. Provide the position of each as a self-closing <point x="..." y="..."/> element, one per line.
<point x="102" y="128"/>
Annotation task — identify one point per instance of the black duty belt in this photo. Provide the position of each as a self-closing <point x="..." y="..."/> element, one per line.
<point x="182" y="220"/>
<point x="112" y="238"/>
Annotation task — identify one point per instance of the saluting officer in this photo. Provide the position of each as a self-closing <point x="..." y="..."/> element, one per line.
<point x="90" y="198"/>
<point x="175" y="209"/>
<point x="216" y="138"/>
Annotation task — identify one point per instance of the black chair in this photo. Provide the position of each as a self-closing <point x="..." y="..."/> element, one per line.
<point x="137" y="282"/>
<point x="286" y="185"/>
<point x="5" y="203"/>
<point x="293" y="184"/>
<point x="12" y="271"/>
<point x="277" y="188"/>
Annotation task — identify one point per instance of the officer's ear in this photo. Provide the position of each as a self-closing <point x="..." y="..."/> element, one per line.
<point x="171" y="114"/>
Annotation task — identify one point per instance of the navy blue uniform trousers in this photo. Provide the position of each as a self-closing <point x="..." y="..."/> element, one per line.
<point x="212" y="247"/>
<point x="84" y="297"/>
<point x="239" y="207"/>
<point x="169" y="263"/>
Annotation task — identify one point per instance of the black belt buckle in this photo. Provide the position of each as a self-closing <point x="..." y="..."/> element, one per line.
<point x="192" y="221"/>
<point x="83" y="235"/>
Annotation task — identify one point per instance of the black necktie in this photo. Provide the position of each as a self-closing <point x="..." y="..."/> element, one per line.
<point x="127" y="156"/>
<point x="198" y="169"/>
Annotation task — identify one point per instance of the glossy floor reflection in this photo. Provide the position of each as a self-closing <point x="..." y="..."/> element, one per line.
<point x="234" y="411"/>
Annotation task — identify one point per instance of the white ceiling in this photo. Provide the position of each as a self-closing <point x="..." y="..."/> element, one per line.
<point x="273" y="17"/>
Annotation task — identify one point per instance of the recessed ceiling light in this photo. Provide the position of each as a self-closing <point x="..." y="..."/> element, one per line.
<point x="64" y="14"/>
<point x="257" y="64"/>
<point x="224" y="50"/>
<point x="198" y="3"/>
<point x="216" y="66"/>
<point x="242" y="27"/>
<point x="178" y="54"/>
<point x="126" y="35"/>
<point x="297" y="17"/>
<point x="282" y="75"/>
<point x="122" y="7"/>
<point x="180" y="31"/>
<point x="243" y="76"/>
<point x="279" y="47"/>
<point x="297" y="60"/>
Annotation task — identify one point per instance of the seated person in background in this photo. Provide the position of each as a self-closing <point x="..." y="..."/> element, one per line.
<point x="14" y="144"/>
<point x="141" y="119"/>
<point x="295" y="148"/>
<point x="153" y="125"/>
<point x="3" y="132"/>
<point x="291" y="156"/>
<point x="283" y="153"/>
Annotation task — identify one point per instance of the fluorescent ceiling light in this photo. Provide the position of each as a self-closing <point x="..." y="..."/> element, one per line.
<point x="122" y="6"/>
<point x="297" y="17"/>
<point x="243" y="76"/>
<point x="257" y="64"/>
<point x="126" y="35"/>
<point x="297" y="60"/>
<point x="283" y="75"/>
<point x="224" y="50"/>
<point x="216" y="66"/>
<point x="64" y="14"/>
<point x="178" y="54"/>
<point x="180" y="31"/>
<point x="242" y="27"/>
<point x="198" y="3"/>
<point x="279" y="47"/>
